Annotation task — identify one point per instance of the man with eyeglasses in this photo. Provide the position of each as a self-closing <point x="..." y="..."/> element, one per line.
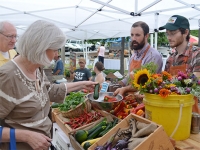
<point x="81" y="74"/>
<point x="186" y="56"/>
<point x="8" y="35"/>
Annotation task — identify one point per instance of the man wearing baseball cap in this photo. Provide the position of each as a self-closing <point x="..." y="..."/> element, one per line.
<point x="186" y="56"/>
<point x="81" y="74"/>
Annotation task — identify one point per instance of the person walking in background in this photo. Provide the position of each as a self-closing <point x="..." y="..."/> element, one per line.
<point x="58" y="68"/>
<point x="186" y="56"/>
<point x="8" y="38"/>
<point x="98" y="68"/>
<point x="101" y="52"/>
<point x="81" y="74"/>
<point x="143" y="54"/>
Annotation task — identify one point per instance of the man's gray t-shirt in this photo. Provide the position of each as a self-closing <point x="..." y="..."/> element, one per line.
<point x="82" y="75"/>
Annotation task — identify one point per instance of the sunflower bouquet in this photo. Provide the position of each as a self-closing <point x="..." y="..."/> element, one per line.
<point x="164" y="84"/>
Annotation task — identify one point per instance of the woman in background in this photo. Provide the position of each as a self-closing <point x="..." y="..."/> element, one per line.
<point x="101" y="52"/>
<point x="98" y="68"/>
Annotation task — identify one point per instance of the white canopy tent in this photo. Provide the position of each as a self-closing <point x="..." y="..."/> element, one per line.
<point x="97" y="19"/>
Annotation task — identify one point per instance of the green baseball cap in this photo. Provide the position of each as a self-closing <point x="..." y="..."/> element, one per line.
<point x="175" y="22"/>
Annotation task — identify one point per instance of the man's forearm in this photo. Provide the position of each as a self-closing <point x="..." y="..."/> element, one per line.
<point x="129" y="88"/>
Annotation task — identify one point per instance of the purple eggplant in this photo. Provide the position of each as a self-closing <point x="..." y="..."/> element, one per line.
<point x="109" y="146"/>
<point x="113" y="148"/>
<point x="121" y="144"/>
<point x="100" y="148"/>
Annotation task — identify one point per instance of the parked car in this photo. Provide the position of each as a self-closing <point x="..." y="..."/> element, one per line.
<point x="72" y="45"/>
<point x="78" y="46"/>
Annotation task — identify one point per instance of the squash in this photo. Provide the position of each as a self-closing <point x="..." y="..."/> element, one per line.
<point x="81" y="135"/>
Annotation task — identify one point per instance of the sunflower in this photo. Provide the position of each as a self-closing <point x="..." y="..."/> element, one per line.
<point x="141" y="77"/>
<point x="164" y="93"/>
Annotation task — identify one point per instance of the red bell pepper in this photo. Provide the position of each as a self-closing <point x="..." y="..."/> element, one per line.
<point x="140" y="106"/>
<point x="118" y="108"/>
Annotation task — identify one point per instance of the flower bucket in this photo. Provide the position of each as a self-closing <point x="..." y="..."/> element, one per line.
<point x="173" y="113"/>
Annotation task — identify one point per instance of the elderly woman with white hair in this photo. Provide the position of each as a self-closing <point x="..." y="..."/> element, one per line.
<point x="24" y="98"/>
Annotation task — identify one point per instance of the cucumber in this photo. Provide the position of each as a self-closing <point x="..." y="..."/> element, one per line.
<point x="109" y="126"/>
<point x="96" y="91"/>
<point x="102" y="123"/>
<point x="96" y="132"/>
<point x="55" y="105"/>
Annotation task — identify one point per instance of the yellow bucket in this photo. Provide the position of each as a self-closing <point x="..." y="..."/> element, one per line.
<point x="173" y="113"/>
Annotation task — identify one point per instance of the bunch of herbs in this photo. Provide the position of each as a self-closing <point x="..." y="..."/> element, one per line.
<point x="72" y="100"/>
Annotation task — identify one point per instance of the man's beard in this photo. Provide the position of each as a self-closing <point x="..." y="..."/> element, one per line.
<point x="139" y="46"/>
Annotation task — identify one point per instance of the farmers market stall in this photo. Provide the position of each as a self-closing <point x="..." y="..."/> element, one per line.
<point x="96" y="120"/>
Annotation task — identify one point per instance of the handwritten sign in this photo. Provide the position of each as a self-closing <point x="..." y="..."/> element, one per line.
<point x="104" y="87"/>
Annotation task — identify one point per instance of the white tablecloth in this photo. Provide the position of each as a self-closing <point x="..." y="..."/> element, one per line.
<point x="113" y="63"/>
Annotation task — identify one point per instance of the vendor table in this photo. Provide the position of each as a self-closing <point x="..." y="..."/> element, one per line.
<point x="113" y="63"/>
<point x="192" y="143"/>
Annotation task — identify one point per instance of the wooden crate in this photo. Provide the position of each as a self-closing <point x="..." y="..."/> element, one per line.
<point x="54" y="113"/>
<point x="73" y="141"/>
<point x="60" y="120"/>
<point x="155" y="141"/>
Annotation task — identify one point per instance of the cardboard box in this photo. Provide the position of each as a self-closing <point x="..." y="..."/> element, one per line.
<point x="60" y="140"/>
<point x="60" y="120"/>
<point x="73" y="141"/>
<point x="155" y="141"/>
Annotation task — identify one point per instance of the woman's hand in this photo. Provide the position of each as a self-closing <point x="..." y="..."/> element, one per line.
<point x="89" y="85"/>
<point x="38" y="141"/>
<point x="76" y="86"/>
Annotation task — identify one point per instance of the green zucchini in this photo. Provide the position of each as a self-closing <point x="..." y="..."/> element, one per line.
<point x="96" y="132"/>
<point x="86" y="145"/>
<point x="115" y="122"/>
<point x="102" y="123"/>
<point x="96" y="91"/>
<point x="109" y="126"/>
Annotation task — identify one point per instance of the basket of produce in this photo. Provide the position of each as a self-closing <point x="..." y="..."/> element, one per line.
<point x="74" y="105"/>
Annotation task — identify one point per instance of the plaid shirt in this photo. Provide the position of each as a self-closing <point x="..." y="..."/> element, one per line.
<point x="193" y="59"/>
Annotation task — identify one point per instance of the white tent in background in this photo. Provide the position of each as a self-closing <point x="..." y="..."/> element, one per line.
<point x="100" y="19"/>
